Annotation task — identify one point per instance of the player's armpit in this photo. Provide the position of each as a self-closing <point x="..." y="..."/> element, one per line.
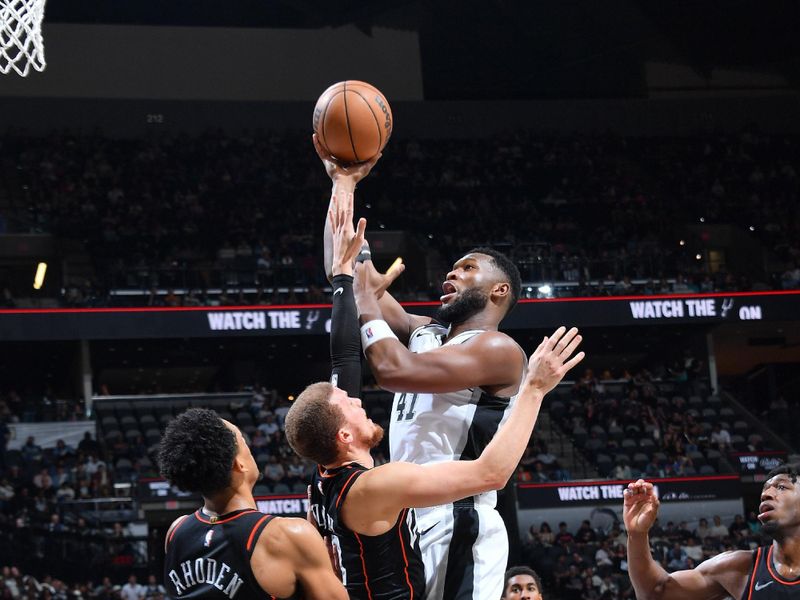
<point x="491" y="359"/>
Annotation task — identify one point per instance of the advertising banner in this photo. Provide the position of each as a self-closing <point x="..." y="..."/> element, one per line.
<point x="314" y="319"/>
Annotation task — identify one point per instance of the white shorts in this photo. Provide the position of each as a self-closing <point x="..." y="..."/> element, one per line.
<point x="465" y="551"/>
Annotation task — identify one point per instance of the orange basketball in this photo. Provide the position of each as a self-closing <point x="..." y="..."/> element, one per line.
<point x="353" y="121"/>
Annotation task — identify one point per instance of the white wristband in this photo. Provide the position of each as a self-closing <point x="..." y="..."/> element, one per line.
<point x="375" y="331"/>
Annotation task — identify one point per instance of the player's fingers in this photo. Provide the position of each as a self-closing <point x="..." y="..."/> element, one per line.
<point x="318" y="147"/>
<point x="393" y="272"/>
<point x="566" y="339"/>
<point x="361" y="228"/>
<point x="573" y="345"/>
<point x="538" y="352"/>
<point x="551" y="343"/>
<point x="574" y="361"/>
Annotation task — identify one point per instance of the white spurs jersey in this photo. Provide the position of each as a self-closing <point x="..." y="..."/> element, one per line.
<point x="435" y="427"/>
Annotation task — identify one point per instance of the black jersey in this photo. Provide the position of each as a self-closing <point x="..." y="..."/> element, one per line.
<point x="765" y="583"/>
<point x="209" y="557"/>
<point x="382" y="567"/>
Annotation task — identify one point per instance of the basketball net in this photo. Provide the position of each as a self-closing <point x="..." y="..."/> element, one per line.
<point x="21" y="45"/>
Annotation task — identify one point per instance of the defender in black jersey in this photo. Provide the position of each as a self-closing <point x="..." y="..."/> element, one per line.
<point x="227" y="549"/>
<point x="368" y="513"/>
<point x="768" y="573"/>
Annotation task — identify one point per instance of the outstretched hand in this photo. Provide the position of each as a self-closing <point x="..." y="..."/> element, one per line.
<point x="640" y="508"/>
<point x="347" y="241"/>
<point x="369" y="280"/>
<point x="551" y="360"/>
<point x="354" y="172"/>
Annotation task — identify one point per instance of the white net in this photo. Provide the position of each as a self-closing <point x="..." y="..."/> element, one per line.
<point x="21" y="45"/>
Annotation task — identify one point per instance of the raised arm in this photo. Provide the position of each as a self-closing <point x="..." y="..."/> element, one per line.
<point x="344" y="179"/>
<point x="347" y="242"/>
<point x="290" y="554"/>
<point x="721" y="576"/>
<point x="380" y="494"/>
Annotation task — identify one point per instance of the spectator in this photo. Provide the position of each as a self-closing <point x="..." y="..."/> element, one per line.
<point x="563" y="536"/>
<point x="720" y="437"/>
<point x="585" y="534"/>
<point x="602" y="557"/>
<point x="274" y="470"/>
<point x="30" y="451"/>
<point x="703" y="530"/>
<point x="88" y="445"/>
<point x="153" y="589"/>
<point x="718" y="530"/>
<point x="132" y="590"/>
<point x="270" y="425"/>
<point x="738" y="528"/>
<point x="693" y="550"/>
<point x="62" y="450"/>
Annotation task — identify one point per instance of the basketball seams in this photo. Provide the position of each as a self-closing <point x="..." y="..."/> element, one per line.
<point x="347" y="122"/>
<point x="377" y="123"/>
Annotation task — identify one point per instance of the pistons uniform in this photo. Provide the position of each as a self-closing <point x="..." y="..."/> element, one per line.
<point x="765" y="583"/>
<point x="464" y="545"/>
<point x="380" y="567"/>
<point x="209" y="557"/>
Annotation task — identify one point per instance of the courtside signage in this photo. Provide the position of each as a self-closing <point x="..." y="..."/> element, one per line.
<point x="598" y="493"/>
<point x="314" y="319"/>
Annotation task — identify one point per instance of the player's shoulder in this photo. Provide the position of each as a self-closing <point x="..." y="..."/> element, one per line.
<point x="727" y="562"/>
<point x="495" y="341"/>
<point x="287" y="532"/>
<point x="174" y="528"/>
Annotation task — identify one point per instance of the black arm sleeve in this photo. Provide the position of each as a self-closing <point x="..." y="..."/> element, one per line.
<point x="345" y="338"/>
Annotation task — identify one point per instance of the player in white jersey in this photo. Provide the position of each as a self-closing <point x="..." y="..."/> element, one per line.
<point x="454" y="383"/>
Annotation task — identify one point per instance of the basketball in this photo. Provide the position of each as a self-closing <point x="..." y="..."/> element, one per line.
<point x="353" y="121"/>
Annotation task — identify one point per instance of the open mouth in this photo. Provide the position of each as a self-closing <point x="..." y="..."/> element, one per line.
<point x="764" y="510"/>
<point x="449" y="292"/>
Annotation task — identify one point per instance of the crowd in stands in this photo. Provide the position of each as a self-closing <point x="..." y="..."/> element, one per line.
<point x="653" y="426"/>
<point x="16" y="585"/>
<point x="245" y="212"/>
<point x="591" y="563"/>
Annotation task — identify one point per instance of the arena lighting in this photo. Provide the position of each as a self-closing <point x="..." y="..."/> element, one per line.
<point x="702" y="219"/>
<point x="38" y="280"/>
<point x="697" y="256"/>
<point x="682" y="242"/>
<point x="290" y="398"/>
<point x="752" y="228"/>
<point x="545" y="290"/>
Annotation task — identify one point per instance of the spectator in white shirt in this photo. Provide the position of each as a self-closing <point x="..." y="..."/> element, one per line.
<point x="132" y="590"/>
<point x="720" y="437"/>
<point x="718" y="530"/>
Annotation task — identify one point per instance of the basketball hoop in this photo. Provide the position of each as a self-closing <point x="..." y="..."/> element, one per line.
<point x="21" y="45"/>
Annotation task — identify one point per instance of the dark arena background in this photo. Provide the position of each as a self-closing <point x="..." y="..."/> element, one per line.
<point x="639" y="161"/>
